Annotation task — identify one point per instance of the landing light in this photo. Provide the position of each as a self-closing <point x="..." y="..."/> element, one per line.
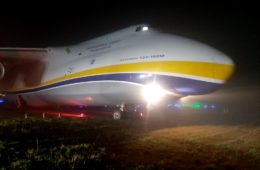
<point x="153" y="93"/>
<point x="145" y="28"/>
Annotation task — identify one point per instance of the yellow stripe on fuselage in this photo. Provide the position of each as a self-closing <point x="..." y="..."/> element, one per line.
<point x="201" y="69"/>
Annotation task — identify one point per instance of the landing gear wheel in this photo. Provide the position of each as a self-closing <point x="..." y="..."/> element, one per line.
<point x="117" y="115"/>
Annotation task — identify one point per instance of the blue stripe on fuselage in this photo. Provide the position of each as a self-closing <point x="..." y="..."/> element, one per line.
<point x="179" y="85"/>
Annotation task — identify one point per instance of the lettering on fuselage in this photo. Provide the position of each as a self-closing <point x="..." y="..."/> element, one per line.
<point x="154" y="56"/>
<point x="129" y="59"/>
<point x="99" y="47"/>
<point x="102" y="46"/>
<point x="114" y="42"/>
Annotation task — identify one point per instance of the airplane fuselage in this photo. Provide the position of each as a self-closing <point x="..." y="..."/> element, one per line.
<point x="115" y="69"/>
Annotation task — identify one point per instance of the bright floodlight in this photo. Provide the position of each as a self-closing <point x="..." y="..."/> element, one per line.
<point x="153" y="93"/>
<point x="145" y="28"/>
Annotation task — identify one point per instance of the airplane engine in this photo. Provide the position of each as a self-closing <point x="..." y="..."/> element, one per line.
<point x="2" y="71"/>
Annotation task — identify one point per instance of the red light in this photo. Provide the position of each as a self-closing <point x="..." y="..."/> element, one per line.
<point x="59" y="114"/>
<point x="141" y="114"/>
<point x="73" y="115"/>
<point x="88" y="98"/>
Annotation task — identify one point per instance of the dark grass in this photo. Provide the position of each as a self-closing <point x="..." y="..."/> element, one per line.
<point x="37" y="143"/>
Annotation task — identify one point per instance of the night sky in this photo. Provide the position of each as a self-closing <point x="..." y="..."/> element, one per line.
<point x="231" y="28"/>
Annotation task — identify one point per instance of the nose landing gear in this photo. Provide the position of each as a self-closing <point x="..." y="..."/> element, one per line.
<point x="117" y="115"/>
<point x="131" y="111"/>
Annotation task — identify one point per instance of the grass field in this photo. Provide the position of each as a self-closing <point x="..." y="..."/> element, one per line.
<point x="105" y="144"/>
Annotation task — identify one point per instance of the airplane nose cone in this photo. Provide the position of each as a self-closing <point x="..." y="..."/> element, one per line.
<point x="195" y="60"/>
<point x="224" y="67"/>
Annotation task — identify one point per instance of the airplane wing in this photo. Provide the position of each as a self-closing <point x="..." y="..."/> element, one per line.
<point x="23" y="65"/>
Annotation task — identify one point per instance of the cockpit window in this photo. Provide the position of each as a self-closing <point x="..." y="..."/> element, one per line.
<point x="141" y="28"/>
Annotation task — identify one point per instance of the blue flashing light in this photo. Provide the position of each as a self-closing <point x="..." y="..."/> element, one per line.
<point x="2" y="101"/>
<point x="213" y="106"/>
<point x="205" y="106"/>
<point x="177" y="105"/>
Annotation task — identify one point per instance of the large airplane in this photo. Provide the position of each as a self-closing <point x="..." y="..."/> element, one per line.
<point x="134" y="65"/>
